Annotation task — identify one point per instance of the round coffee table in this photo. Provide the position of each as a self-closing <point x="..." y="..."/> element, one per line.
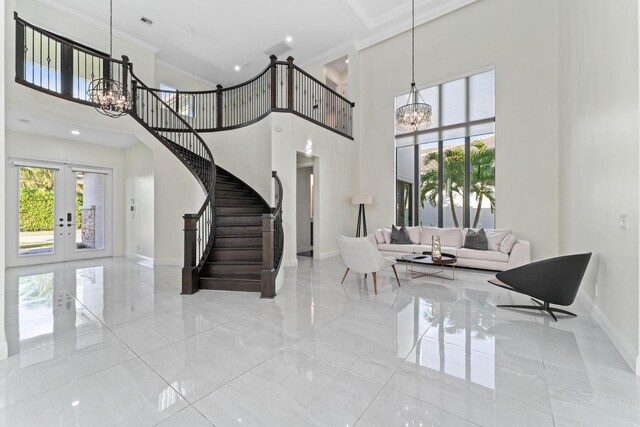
<point x="425" y="259"/>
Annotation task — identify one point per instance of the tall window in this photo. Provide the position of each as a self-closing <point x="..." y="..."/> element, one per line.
<point x="445" y="175"/>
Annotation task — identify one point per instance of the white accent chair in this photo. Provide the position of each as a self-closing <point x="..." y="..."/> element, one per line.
<point x="360" y="255"/>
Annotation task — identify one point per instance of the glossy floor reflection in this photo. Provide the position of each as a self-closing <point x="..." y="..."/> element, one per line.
<point x="111" y="342"/>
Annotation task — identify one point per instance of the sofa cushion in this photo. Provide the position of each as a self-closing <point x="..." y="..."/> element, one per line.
<point x="414" y="234"/>
<point x="508" y="243"/>
<point x="448" y="236"/>
<point x="379" y="236"/>
<point x="495" y="238"/>
<point x="476" y="240"/>
<point x="482" y="255"/>
<point x="387" y="247"/>
<point x="387" y="235"/>
<point x="400" y="236"/>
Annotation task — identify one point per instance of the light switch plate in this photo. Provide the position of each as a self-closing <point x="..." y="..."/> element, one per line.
<point x="624" y="221"/>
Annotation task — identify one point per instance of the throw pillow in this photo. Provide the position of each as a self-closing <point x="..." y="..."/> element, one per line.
<point x="495" y="238"/>
<point x="508" y="243"/>
<point x="379" y="236"/>
<point x="476" y="240"/>
<point x="386" y="232"/>
<point x="400" y="236"/>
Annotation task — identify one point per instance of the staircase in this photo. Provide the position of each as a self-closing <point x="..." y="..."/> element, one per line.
<point x="236" y="240"/>
<point x="235" y="260"/>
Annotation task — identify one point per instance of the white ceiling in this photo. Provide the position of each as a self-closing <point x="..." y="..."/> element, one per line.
<point x="39" y="124"/>
<point x="214" y="36"/>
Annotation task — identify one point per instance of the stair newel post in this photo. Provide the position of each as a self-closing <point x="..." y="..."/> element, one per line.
<point x="218" y="106"/>
<point x="125" y="73"/>
<point x="190" y="269"/>
<point x="290" y="83"/>
<point x="274" y="82"/>
<point x="267" y="276"/>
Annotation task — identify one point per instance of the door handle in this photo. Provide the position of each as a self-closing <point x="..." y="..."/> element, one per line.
<point x="69" y="216"/>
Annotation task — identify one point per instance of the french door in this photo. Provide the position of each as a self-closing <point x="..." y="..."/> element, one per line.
<point x="57" y="212"/>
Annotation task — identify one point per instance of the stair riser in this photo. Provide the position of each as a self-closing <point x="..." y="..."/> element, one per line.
<point x="237" y="242"/>
<point x="228" y="285"/>
<point x="216" y="269"/>
<point x="231" y="210"/>
<point x="228" y="186"/>
<point x="232" y="193"/>
<point x="224" y="201"/>
<point x="235" y="230"/>
<point x="222" y="255"/>
<point x="238" y="220"/>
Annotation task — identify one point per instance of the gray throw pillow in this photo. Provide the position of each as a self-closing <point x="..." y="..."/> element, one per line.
<point x="476" y="240"/>
<point x="400" y="236"/>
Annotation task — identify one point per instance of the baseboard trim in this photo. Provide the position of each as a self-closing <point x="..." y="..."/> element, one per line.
<point x="167" y="262"/>
<point x="626" y="351"/>
<point x="144" y="260"/>
<point x="290" y="263"/>
<point x="304" y="249"/>
<point x="328" y="254"/>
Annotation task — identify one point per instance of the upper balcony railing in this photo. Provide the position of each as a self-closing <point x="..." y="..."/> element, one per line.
<point x="63" y="68"/>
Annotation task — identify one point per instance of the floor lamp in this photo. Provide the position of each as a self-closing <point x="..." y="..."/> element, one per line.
<point x="362" y="219"/>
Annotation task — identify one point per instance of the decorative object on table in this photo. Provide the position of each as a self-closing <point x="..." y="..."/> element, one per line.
<point x="436" y="249"/>
<point x="426" y="259"/>
<point x="400" y="236"/>
<point x="476" y="240"/>
<point x="359" y="255"/>
<point x="361" y="200"/>
<point x="554" y="281"/>
<point x="109" y="96"/>
<point x="415" y="114"/>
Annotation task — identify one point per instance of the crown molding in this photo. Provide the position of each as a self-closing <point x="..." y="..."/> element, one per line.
<point x="331" y="54"/>
<point x="421" y="18"/>
<point x="99" y="24"/>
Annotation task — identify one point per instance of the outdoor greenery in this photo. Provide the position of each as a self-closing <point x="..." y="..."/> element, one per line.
<point x="483" y="177"/>
<point x="36" y="199"/>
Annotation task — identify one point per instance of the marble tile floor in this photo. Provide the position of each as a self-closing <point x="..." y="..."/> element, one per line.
<point x="111" y="342"/>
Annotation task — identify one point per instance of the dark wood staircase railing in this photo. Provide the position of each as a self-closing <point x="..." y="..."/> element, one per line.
<point x="235" y="241"/>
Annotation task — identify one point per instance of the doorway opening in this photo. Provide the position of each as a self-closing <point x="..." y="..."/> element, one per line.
<point x="57" y="212"/>
<point x="306" y="204"/>
<point x="336" y="74"/>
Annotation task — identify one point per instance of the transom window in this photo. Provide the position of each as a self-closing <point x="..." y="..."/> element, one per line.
<point x="445" y="175"/>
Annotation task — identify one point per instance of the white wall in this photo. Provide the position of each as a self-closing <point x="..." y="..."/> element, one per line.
<point x="180" y="79"/>
<point x="246" y="153"/>
<point x="335" y="181"/>
<point x="3" y="339"/>
<point x="520" y="39"/>
<point x="139" y="179"/>
<point x="42" y="148"/>
<point x="599" y="157"/>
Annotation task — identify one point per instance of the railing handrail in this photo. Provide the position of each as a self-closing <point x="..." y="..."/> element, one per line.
<point x="79" y="46"/>
<point x="324" y="86"/>
<point x="278" y="208"/>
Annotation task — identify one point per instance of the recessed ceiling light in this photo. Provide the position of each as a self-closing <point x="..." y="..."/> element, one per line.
<point x="289" y="39"/>
<point x="237" y="68"/>
<point x="346" y="61"/>
<point x="75" y="132"/>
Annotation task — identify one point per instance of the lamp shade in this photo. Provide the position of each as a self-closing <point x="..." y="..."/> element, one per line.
<point x="362" y="199"/>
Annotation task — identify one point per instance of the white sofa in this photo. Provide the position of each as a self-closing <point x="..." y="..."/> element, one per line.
<point x="452" y="241"/>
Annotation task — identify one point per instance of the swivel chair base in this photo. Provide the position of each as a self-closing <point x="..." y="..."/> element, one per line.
<point x="542" y="306"/>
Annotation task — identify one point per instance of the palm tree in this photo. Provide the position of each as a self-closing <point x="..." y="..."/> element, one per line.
<point x="36" y="179"/>
<point x="452" y="174"/>
<point x="483" y="176"/>
<point x="483" y="171"/>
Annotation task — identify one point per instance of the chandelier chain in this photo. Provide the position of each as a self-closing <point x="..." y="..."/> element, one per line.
<point x="413" y="41"/>
<point x="110" y="28"/>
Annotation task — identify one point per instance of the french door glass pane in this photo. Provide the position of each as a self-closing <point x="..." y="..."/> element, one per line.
<point x="483" y="181"/>
<point x="404" y="185"/>
<point x="453" y="182"/>
<point x="428" y="168"/>
<point x="90" y="209"/>
<point x="36" y="211"/>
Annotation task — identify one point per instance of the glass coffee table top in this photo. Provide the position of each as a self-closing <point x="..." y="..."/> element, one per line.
<point x="425" y="259"/>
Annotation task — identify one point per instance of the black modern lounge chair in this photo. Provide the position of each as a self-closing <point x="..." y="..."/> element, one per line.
<point x="554" y="281"/>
